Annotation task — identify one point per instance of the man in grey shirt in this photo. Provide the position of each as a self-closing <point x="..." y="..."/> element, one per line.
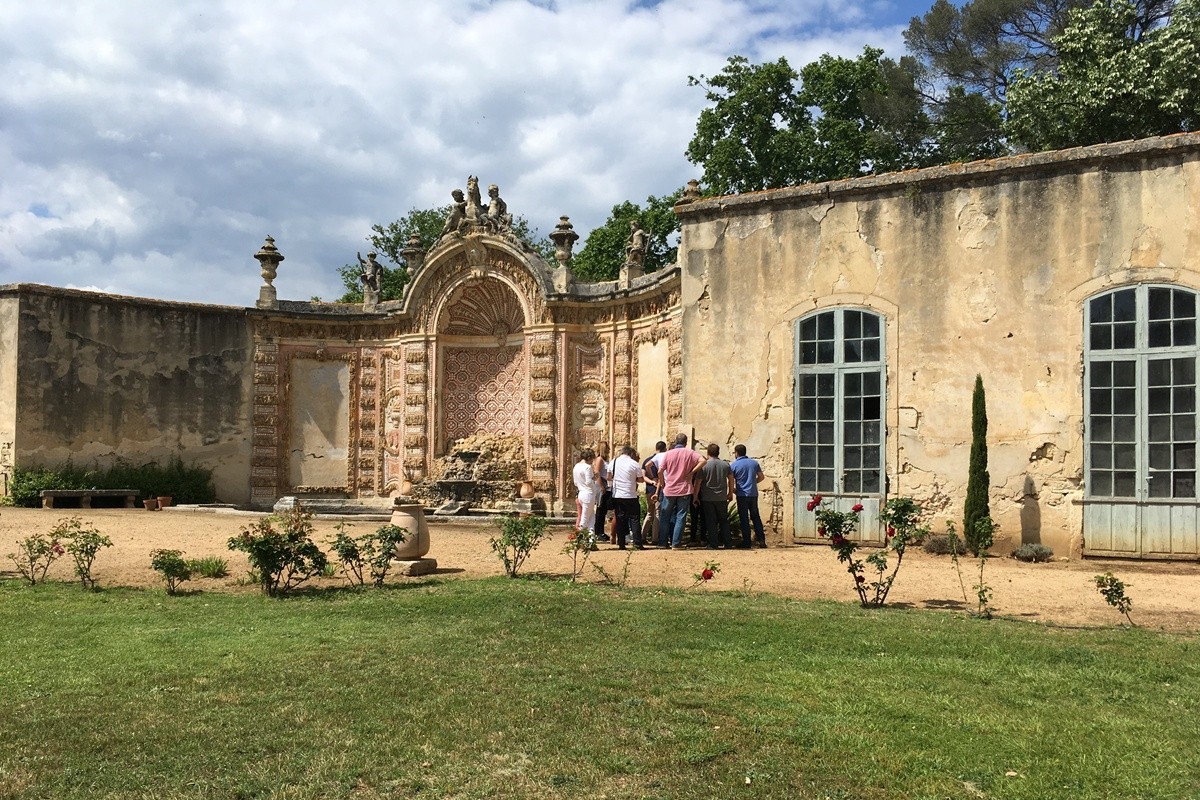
<point x="715" y="490"/>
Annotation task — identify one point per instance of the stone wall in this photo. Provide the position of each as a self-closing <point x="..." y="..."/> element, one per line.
<point x="979" y="268"/>
<point x="99" y="377"/>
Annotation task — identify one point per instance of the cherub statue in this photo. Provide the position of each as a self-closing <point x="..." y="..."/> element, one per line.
<point x="458" y="213"/>
<point x="498" y="216"/>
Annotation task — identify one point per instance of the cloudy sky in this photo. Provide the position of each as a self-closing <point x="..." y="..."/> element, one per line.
<point x="146" y="148"/>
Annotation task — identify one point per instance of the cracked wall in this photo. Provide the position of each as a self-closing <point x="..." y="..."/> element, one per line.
<point x="985" y="273"/>
<point x="100" y="379"/>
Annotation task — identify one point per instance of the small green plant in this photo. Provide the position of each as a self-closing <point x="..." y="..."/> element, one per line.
<point x="34" y="556"/>
<point x="710" y="570"/>
<point x="985" y="533"/>
<point x="580" y="546"/>
<point x="209" y="566"/>
<point x="608" y="579"/>
<point x="1033" y="553"/>
<point x="283" y="557"/>
<point x="944" y="545"/>
<point x="1112" y="589"/>
<point x="369" y="555"/>
<point x="901" y="515"/>
<point x="519" y="537"/>
<point x="83" y="544"/>
<point x="172" y="566"/>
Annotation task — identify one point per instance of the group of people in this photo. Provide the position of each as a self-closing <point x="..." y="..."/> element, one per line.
<point x="678" y="481"/>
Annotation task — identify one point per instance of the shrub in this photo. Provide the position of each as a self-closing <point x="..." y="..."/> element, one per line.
<point x="185" y="484"/>
<point x="209" y="566"/>
<point x="944" y="545"/>
<point x="519" y="536"/>
<point x="282" y="558"/>
<point x="1112" y="589"/>
<point x="83" y="544"/>
<point x="580" y="546"/>
<point x="1036" y="553"/>
<point x="901" y="515"/>
<point x="34" y="556"/>
<point x="368" y="555"/>
<point x="171" y="565"/>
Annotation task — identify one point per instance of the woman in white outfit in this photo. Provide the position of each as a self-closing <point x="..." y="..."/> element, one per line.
<point x="585" y="488"/>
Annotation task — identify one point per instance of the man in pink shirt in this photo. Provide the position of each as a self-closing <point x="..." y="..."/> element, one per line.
<point x="675" y="489"/>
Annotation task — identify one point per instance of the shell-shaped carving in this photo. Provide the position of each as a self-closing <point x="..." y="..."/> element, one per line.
<point x="483" y="308"/>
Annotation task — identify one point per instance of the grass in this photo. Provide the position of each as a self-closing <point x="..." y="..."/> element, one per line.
<point x="540" y="689"/>
<point x="209" y="566"/>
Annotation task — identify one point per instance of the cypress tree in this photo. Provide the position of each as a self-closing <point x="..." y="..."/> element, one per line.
<point x="976" y="506"/>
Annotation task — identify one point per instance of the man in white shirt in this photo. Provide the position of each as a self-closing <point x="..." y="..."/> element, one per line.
<point x="627" y="474"/>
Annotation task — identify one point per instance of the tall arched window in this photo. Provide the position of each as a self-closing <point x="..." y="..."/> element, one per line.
<point x="839" y="407"/>
<point x="1140" y="431"/>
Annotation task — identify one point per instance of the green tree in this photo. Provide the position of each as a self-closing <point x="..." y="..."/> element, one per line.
<point x="603" y="251"/>
<point x="770" y="126"/>
<point x="427" y="223"/>
<point x="757" y="133"/>
<point x="975" y="508"/>
<point x="1113" y="80"/>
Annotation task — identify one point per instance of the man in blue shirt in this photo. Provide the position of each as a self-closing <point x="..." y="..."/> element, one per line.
<point x="747" y="474"/>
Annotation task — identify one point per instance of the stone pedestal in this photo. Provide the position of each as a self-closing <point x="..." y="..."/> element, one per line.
<point x="267" y="297"/>
<point x="370" y="300"/>
<point x="629" y="272"/>
<point x="409" y="569"/>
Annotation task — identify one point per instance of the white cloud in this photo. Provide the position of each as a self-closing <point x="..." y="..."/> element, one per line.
<point x="148" y="148"/>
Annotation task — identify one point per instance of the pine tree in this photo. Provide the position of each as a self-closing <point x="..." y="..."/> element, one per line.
<point x="976" y="506"/>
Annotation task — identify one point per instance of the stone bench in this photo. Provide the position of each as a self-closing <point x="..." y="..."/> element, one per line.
<point x="84" y="496"/>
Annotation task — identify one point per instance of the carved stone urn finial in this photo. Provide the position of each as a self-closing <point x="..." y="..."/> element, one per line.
<point x="268" y="257"/>
<point x="564" y="238"/>
<point x="691" y="194"/>
<point x="414" y="254"/>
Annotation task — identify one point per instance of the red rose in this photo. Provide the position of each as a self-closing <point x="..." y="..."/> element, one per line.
<point x="891" y="531"/>
<point x="857" y="507"/>
<point x="809" y="505"/>
<point x="821" y="531"/>
<point x="707" y="574"/>
<point x="838" y="539"/>
<point x="570" y="537"/>
<point x="817" y="499"/>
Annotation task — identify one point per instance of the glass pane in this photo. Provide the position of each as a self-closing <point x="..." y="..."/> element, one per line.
<point x="1101" y="456"/>
<point x="871" y="481"/>
<point x="1160" y="456"/>
<point x="825" y="408"/>
<point x="1101" y="401"/>
<point x="1101" y="338"/>
<point x="853" y="433"/>
<point x="871" y="383"/>
<point x="808" y="352"/>
<point x="808" y="431"/>
<point x="853" y="324"/>
<point x="1123" y="456"/>
<point x="870" y="326"/>
<point x="1160" y="400"/>
<point x="808" y="456"/>
<point x="871" y="350"/>
<point x="825" y="480"/>
<point x="825" y="384"/>
<point x="1160" y="429"/>
<point x="854" y="383"/>
<point x="871" y="432"/>
<point x="853" y="408"/>
<point x="852" y="481"/>
<point x="1102" y="429"/>
<point x="1160" y="304"/>
<point x="1101" y="309"/>
<point x="871" y="457"/>
<point x="808" y="329"/>
<point x="1185" y="332"/>
<point x="825" y="456"/>
<point x="1185" y="484"/>
<point x="1101" y="374"/>
<point x="1160" y="484"/>
<point x="853" y="457"/>
<point x="808" y="480"/>
<point x="824" y="352"/>
<point x="1123" y="401"/>
<point x="808" y="408"/>
<point x="1185" y="455"/>
<point x="1160" y="334"/>
<point x="1123" y="336"/>
<point x="1185" y="371"/>
<point x="1102" y="484"/>
<point x="1124" y="484"/>
<point x="1184" y="399"/>
<point x="1185" y="427"/>
<point x="1158" y="372"/>
<point x="870" y="408"/>
<point x="853" y="351"/>
<point x="1124" y="373"/>
<point x="1123" y="429"/>
<point x="808" y="385"/>
<point x="825" y="325"/>
<point x="1124" y="305"/>
<point x="824" y="432"/>
<point x="1185" y="304"/>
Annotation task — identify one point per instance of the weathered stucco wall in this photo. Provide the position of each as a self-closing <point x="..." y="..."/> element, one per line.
<point x="980" y="268"/>
<point x="9" y="309"/>
<point x="103" y="377"/>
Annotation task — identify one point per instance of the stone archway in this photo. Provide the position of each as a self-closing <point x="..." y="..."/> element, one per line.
<point x="483" y="366"/>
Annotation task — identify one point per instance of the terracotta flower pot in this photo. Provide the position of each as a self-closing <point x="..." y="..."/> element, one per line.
<point x="526" y="490"/>
<point x="411" y="517"/>
<point x="164" y="501"/>
<point x="151" y="504"/>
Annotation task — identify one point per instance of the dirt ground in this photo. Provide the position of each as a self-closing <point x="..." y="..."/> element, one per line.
<point x="1165" y="595"/>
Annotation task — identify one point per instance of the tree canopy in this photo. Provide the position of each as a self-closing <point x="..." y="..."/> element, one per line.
<point x="603" y="251"/>
<point x="1114" y="80"/>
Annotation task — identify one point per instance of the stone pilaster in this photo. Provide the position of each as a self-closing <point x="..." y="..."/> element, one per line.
<point x="543" y="405"/>
<point x="266" y="457"/>
<point x="417" y="438"/>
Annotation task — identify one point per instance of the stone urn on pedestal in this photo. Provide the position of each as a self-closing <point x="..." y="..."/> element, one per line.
<point x="411" y="554"/>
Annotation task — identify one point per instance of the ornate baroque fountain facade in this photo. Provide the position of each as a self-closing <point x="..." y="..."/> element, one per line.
<point x="489" y="349"/>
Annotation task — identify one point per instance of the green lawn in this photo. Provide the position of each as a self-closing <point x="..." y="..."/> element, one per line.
<point x="533" y="688"/>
